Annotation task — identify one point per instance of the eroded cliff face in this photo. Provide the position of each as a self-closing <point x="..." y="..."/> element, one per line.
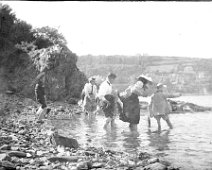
<point x="63" y="79"/>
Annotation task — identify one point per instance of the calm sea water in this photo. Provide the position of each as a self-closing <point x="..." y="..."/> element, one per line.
<point x="188" y="145"/>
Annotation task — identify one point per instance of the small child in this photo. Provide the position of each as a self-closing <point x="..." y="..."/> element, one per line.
<point x="159" y="106"/>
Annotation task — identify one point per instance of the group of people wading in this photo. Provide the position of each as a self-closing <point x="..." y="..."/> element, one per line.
<point x="108" y="100"/>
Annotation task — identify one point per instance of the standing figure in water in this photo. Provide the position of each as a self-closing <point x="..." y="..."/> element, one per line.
<point x="89" y="99"/>
<point x="130" y="99"/>
<point x="159" y="106"/>
<point x="107" y="99"/>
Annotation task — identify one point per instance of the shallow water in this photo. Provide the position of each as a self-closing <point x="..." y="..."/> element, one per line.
<point x="188" y="145"/>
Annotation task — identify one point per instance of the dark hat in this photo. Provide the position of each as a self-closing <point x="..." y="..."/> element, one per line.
<point x="112" y="75"/>
<point x="91" y="79"/>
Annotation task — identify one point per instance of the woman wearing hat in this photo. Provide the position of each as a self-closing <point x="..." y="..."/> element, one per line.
<point x="89" y="100"/>
<point x="130" y="100"/>
<point x="159" y="106"/>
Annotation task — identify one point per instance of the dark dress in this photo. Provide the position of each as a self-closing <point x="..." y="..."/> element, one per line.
<point x="131" y="109"/>
<point x="108" y="109"/>
<point x="40" y="93"/>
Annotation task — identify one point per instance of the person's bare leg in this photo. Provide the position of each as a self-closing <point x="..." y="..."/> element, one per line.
<point x="133" y="127"/>
<point x="107" y="122"/>
<point x="159" y="125"/>
<point x="41" y="113"/>
<point x="89" y="115"/>
<point x="112" y="122"/>
<point x="169" y="123"/>
<point x="149" y="122"/>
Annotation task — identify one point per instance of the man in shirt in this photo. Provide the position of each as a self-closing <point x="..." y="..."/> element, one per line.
<point x="107" y="98"/>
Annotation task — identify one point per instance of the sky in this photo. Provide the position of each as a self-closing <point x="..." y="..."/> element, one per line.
<point x="125" y="28"/>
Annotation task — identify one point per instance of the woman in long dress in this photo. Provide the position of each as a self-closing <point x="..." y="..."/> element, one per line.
<point x="130" y="98"/>
<point x="89" y="101"/>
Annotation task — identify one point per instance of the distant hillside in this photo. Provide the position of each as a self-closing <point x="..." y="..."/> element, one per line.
<point x="189" y="75"/>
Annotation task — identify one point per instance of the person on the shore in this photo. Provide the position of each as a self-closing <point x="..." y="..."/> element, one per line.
<point x="41" y="97"/>
<point x="107" y="99"/>
<point x="89" y="100"/>
<point x="130" y="99"/>
<point x="159" y="106"/>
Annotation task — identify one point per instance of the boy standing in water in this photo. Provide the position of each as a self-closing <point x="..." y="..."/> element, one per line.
<point x="159" y="106"/>
<point x="107" y="99"/>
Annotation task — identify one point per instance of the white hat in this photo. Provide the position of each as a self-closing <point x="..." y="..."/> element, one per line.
<point x="161" y="85"/>
<point x="146" y="77"/>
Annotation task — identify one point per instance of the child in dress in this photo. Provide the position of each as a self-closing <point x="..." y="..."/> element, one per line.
<point x="159" y="106"/>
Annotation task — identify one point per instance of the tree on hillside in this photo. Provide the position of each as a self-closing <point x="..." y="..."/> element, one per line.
<point x="47" y="36"/>
<point x="12" y="31"/>
<point x="21" y="32"/>
<point x="7" y="19"/>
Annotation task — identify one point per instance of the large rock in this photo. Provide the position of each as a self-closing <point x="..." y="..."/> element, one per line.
<point x="59" y="140"/>
<point x="181" y="106"/>
<point x="17" y="154"/>
<point x="63" y="78"/>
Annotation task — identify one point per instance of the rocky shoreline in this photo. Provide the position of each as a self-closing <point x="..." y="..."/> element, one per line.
<point x="26" y="145"/>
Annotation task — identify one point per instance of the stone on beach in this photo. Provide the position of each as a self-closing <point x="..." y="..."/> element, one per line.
<point x="4" y="157"/>
<point x="57" y="140"/>
<point x="155" y="166"/>
<point x="17" y="154"/>
<point x="65" y="158"/>
<point x="7" y="165"/>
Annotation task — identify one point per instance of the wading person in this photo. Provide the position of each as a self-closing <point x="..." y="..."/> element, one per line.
<point x="159" y="106"/>
<point x="41" y="97"/>
<point x="130" y="100"/>
<point x="107" y="99"/>
<point x="89" y="100"/>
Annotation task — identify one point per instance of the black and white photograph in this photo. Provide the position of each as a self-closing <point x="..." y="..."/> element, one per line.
<point x="121" y="85"/>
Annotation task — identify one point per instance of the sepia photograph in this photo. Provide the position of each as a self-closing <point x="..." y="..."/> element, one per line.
<point x="105" y="85"/>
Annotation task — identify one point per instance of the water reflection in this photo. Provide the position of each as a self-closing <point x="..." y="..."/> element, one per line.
<point x="131" y="141"/>
<point x="188" y="145"/>
<point x="91" y="124"/>
<point x="110" y="136"/>
<point x="159" y="141"/>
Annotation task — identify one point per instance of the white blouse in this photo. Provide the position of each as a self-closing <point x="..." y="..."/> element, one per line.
<point x="89" y="88"/>
<point x="104" y="89"/>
